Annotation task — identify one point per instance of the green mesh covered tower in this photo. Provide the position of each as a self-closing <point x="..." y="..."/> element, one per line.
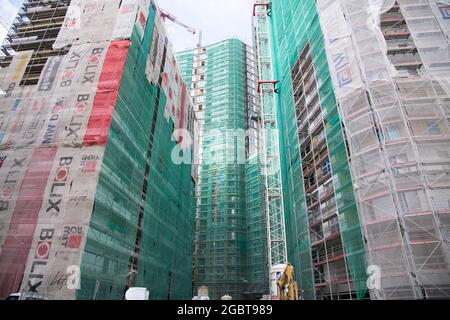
<point x="362" y="100"/>
<point x="100" y="202"/>
<point x="323" y="235"/>
<point x="229" y="255"/>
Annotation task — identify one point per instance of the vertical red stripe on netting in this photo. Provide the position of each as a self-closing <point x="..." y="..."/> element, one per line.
<point x="107" y="91"/>
<point x="14" y="254"/>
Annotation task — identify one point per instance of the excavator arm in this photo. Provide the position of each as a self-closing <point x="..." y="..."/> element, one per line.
<point x="287" y="285"/>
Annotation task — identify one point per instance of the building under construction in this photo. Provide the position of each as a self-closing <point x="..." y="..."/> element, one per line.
<point x="93" y="106"/>
<point x="363" y="103"/>
<point x="230" y="255"/>
<point x="325" y="144"/>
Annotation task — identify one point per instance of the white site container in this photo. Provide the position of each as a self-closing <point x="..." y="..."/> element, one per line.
<point x="137" y="294"/>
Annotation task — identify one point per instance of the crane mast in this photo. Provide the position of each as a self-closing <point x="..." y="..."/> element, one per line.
<point x="269" y="135"/>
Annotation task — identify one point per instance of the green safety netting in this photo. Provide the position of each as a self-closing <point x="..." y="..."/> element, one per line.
<point x="294" y="25"/>
<point x="230" y="236"/>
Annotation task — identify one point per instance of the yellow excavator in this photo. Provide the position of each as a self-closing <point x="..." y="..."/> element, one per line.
<point x="287" y="286"/>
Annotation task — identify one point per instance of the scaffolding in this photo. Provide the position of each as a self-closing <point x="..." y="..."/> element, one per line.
<point x="390" y="82"/>
<point x="98" y="203"/>
<point x="35" y="28"/>
<point x="219" y="92"/>
<point x="224" y="92"/>
<point x="364" y="127"/>
<point x="257" y="254"/>
<point x="324" y="241"/>
<point x="257" y="250"/>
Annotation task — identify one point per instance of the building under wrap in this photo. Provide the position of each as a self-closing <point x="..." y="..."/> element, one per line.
<point x="363" y="102"/>
<point x="230" y="244"/>
<point x="91" y="200"/>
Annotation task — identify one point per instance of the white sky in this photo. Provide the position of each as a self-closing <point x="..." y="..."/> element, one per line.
<point x="218" y="19"/>
<point x="8" y="11"/>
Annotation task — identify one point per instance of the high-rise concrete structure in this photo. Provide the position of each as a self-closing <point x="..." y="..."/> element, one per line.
<point x="362" y="94"/>
<point x="94" y="199"/>
<point x="35" y="28"/>
<point x="229" y="255"/>
<point x="326" y="145"/>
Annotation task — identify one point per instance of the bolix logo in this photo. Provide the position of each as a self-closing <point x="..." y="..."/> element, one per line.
<point x="57" y="189"/>
<point x="10" y="182"/>
<point x="40" y="260"/>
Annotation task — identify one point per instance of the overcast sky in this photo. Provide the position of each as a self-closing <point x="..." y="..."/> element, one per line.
<point x="8" y="10"/>
<point x="219" y="19"/>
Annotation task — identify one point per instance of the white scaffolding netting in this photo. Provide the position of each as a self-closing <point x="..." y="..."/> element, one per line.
<point x="390" y="67"/>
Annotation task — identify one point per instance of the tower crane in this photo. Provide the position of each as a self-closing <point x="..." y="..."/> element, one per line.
<point x="166" y="15"/>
